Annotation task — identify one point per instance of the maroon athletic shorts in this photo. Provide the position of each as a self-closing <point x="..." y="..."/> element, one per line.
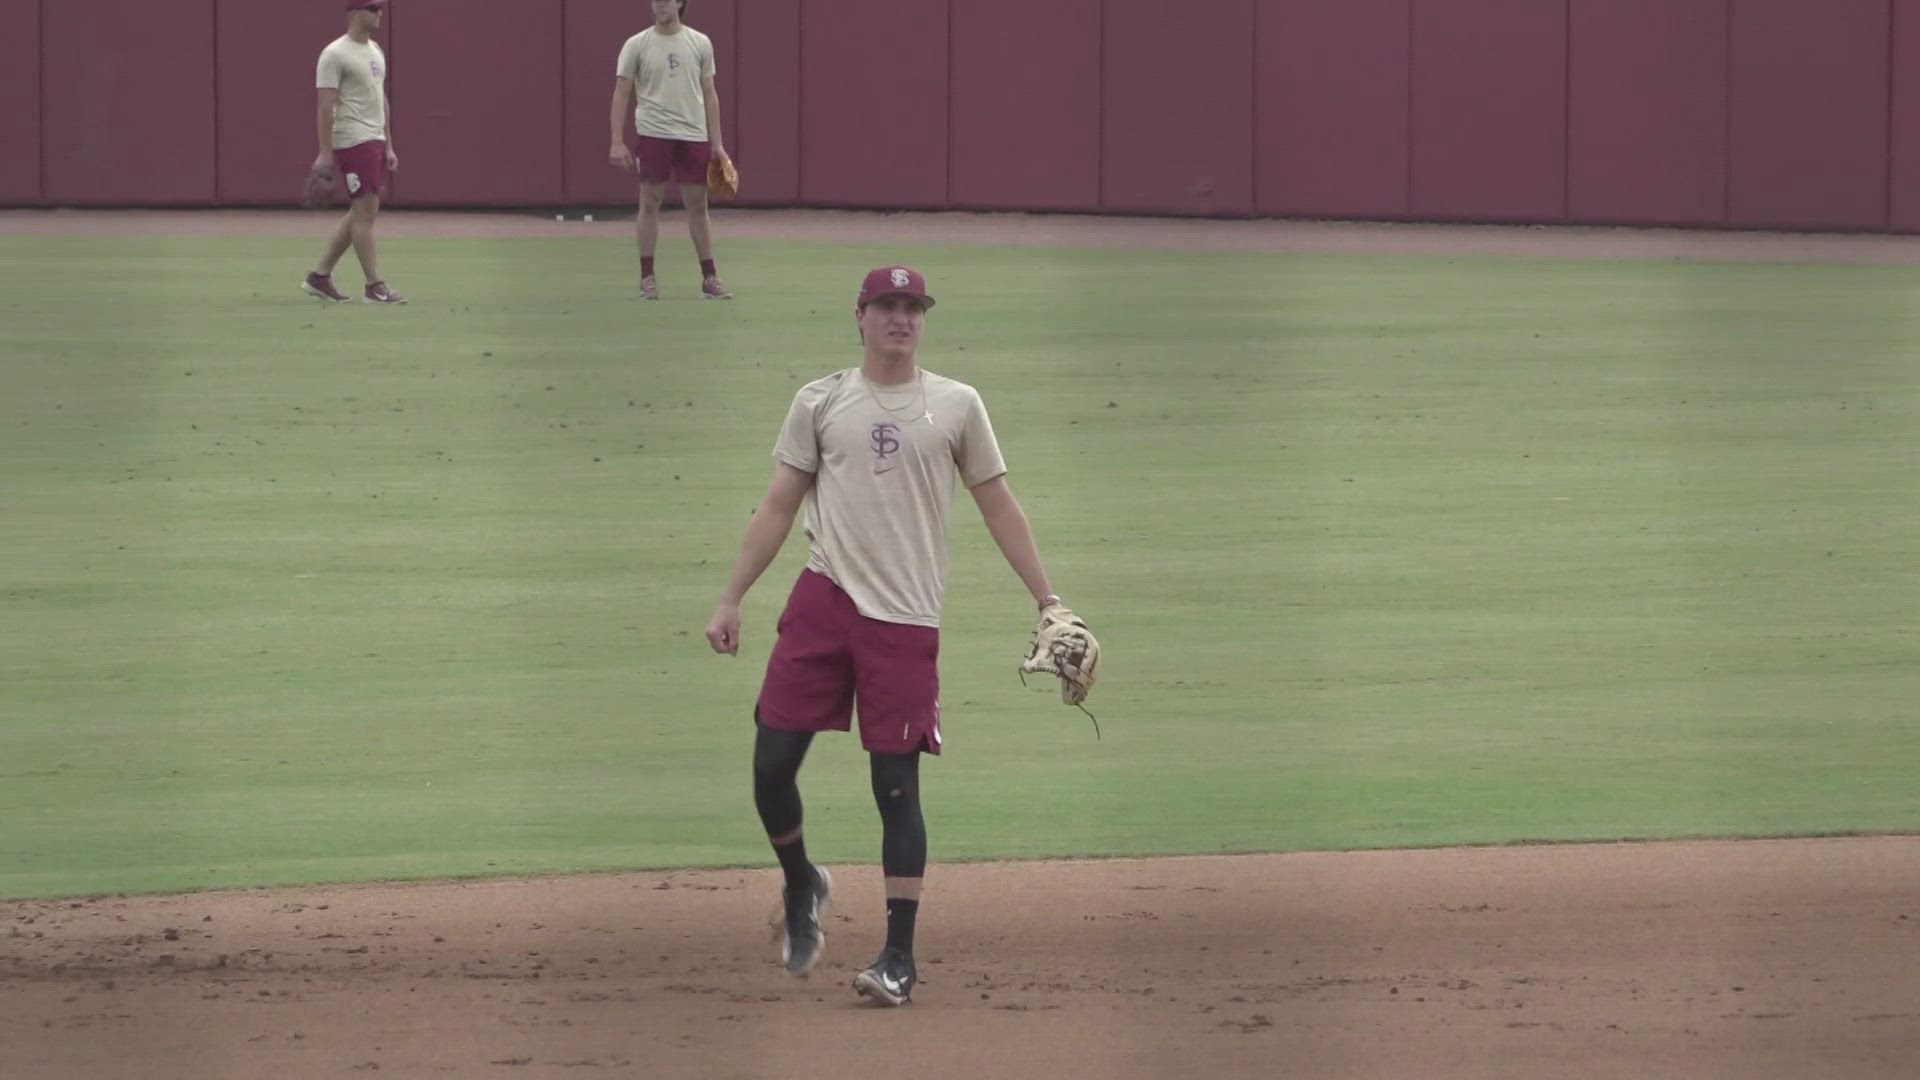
<point x="829" y="657"/>
<point x="683" y="162"/>
<point x="363" y="168"/>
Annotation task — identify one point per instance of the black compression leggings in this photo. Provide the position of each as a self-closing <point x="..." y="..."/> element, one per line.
<point x="776" y="763"/>
<point x="777" y="756"/>
<point x="903" y="832"/>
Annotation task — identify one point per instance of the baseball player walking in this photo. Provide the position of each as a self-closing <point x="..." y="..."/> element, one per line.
<point x="356" y="146"/>
<point x="873" y="452"/>
<point x="665" y="73"/>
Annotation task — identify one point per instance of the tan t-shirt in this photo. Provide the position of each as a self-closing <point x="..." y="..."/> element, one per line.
<point x="883" y="483"/>
<point x="358" y="69"/>
<point x="666" y="69"/>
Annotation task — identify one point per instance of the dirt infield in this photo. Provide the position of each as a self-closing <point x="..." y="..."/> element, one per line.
<point x="1701" y="960"/>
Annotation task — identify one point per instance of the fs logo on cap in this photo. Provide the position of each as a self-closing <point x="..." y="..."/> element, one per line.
<point x="888" y="280"/>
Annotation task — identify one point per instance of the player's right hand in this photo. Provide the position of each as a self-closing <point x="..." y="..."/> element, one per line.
<point x="723" y="632"/>
<point x="620" y="156"/>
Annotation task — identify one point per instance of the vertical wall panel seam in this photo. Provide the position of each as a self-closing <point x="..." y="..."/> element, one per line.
<point x="1893" y="26"/>
<point x="1727" y="135"/>
<point x="800" y="104"/>
<point x="393" y="81"/>
<point x="733" y="88"/>
<point x="1100" y="117"/>
<point x="213" y="30"/>
<point x="946" y="193"/>
<point x="1253" y="113"/>
<point x="1566" y="113"/>
<point x="565" y="120"/>
<point x="46" y="195"/>
<point x="739" y="18"/>
<point x="1412" y="131"/>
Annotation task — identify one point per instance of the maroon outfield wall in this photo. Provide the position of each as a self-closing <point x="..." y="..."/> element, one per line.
<point x="1647" y="93"/>
<point x="20" y="123"/>
<point x="1809" y="110"/>
<point x="1331" y="135"/>
<point x="126" y="102"/>
<point x="1756" y="113"/>
<point x="1904" y="167"/>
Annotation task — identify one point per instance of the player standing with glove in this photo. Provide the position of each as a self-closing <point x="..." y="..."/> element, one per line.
<point x="356" y="145"/>
<point x="665" y="74"/>
<point x="873" y="452"/>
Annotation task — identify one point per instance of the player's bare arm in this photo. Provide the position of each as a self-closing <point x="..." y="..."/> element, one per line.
<point x="618" y="153"/>
<point x="713" y="116"/>
<point x="1007" y="524"/>
<point x="329" y="100"/>
<point x="766" y="533"/>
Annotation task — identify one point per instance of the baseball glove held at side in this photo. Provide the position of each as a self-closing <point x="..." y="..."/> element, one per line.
<point x="723" y="180"/>
<point x="318" y="192"/>
<point x="1063" y="647"/>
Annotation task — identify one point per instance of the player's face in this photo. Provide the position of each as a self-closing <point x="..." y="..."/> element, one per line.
<point x="665" y="12"/>
<point x="893" y="323"/>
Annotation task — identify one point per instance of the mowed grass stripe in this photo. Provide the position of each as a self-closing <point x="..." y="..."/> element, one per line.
<point x="1383" y="552"/>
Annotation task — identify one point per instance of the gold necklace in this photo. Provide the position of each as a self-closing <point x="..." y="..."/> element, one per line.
<point x="925" y="413"/>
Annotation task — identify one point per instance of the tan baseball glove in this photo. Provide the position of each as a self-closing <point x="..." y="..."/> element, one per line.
<point x="723" y="180"/>
<point x="318" y="192"/>
<point x="1062" y="646"/>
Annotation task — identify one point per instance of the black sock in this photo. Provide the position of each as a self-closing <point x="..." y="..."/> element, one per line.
<point x="793" y="860"/>
<point x="900" y="916"/>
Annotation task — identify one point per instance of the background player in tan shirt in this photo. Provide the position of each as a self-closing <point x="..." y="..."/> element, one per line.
<point x="873" y="452"/>
<point x="356" y="147"/>
<point x="665" y="73"/>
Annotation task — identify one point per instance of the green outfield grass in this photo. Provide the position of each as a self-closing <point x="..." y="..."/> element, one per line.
<point x="1383" y="552"/>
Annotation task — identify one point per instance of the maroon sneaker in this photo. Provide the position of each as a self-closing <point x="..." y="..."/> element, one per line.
<point x="321" y="285"/>
<point x="378" y="293"/>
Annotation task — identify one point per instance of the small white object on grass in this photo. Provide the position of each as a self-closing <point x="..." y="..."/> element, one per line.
<point x="559" y="217"/>
<point x="588" y="218"/>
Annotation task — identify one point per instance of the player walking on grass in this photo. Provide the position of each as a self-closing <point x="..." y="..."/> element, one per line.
<point x="356" y="145"/>
<point x="665" y="73"/>
<point x="873" y="452"/>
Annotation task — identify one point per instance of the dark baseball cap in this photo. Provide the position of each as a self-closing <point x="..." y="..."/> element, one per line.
<point x="356" y="5"/>
<point x="893" y="281"/>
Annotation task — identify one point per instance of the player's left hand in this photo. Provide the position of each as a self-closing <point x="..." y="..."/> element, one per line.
<point x="393" y="160"/>
<point x="1063" y="647"/>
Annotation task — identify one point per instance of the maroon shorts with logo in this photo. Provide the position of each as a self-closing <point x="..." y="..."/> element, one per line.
<point x="363" y="168"/>
<point x="830" y="657"/>
<point x="661" y="160"/>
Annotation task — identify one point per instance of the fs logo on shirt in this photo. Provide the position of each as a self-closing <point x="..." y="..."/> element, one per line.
<point x="885" y="442"/>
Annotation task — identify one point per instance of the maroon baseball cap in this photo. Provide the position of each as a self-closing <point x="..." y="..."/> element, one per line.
<point x="893" y="280"/>
<point x="356" y="5"/>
